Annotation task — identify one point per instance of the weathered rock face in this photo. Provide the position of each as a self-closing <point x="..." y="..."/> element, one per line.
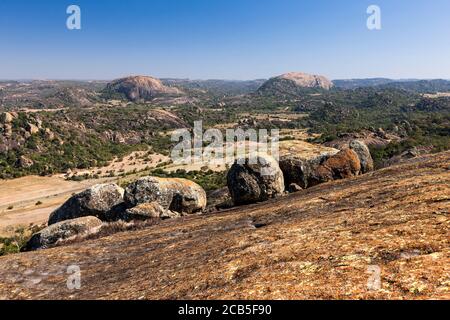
<point x="180" y="195"/>
<point x="250" y="183"/>
<point x="365" y="158"/>
<point x="61" y="231"/>
<point x="103" y="201"/>
<point x="342" y="165"/>
<point x="145" y="211"/>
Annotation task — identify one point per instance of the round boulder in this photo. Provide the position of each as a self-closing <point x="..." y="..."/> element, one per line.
<point x="255" y="179"/>
<point x="102" y="200"/>
<point x="61" y="231"/>
<point x="299" y="170"/>
<point x="180" y="195"/>
<point x="344" y="164"/>
<point x="365" y="158"/>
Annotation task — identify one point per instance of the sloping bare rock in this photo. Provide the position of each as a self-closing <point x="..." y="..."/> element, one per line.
<point x="342" y="165"/>
<point x="180" y="195"/>
<point x="309" y="245"/>
<point x="102" y="200"/>
<point x="61" y="231"/>
<point x="145" y="211"/>
<point x="253" y="182"/>
<point x="365" y="158"/>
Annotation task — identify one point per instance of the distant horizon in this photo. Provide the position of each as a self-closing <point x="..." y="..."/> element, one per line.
<point x="210" y="79"/>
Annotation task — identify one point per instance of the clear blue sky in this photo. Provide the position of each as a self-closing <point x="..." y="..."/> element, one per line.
<point x="227" y="39"/>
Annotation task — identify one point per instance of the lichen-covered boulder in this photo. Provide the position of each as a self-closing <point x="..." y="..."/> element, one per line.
<point x="344" y="164"/>
<point x="180" y="195"/>
<point x="254" y="181"/>
<point x="299" y="170"/>
<point x="61" y="231"/>
<point x="365" y="158"/>
<point x="103" y="201"/>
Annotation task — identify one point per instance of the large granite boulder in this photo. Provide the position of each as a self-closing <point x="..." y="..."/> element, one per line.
<point x="61" y="231"/>
<point x="254" y="181"/>
<point x="180" y="195"/>
<point x="365" y="158"/>
<point x="298" y="170"/>
<point x="344" y="164"/>
<point x="103" y="201"/>
<point x="307" y="173"/>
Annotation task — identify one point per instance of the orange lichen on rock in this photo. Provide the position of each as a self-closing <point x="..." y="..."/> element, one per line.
<point x="342" y="165"/>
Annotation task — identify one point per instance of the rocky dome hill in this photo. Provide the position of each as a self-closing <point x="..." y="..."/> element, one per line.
<point x="137" y="88"/>
<point x="294" y="83"/>
<point x="322" y="242"/>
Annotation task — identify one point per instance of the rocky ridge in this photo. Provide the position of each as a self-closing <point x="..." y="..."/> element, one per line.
<point x="315" y="244"/>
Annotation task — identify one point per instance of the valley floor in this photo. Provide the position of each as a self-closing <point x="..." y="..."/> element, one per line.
<point x="327" y="242"/>
<point x="29" y="200"/>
